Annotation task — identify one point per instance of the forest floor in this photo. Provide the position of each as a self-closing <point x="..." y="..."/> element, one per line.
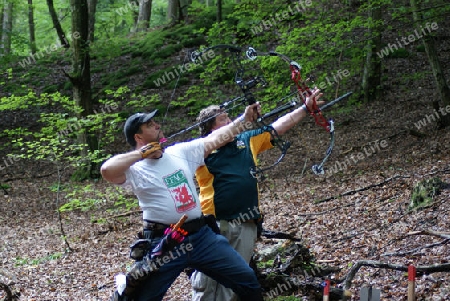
<point x="378" y="155"/>
<point x="365" y="225"/>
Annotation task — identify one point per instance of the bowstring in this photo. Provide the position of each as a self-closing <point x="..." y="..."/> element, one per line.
<point x="173" y="92"/>
<point x="167" y="111"/>
<point x="236" y="61"/>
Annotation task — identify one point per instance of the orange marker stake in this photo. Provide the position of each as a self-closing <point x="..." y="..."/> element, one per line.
<point x="411" y="283"/>
<point x="326" y="291"/>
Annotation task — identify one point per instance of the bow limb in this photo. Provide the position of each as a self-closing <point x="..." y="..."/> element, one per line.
<point x="318" y="168"/>
<point x="303" y="92"/>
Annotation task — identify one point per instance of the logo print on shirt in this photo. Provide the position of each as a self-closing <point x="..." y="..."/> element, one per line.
<point x="240" y="144"/>
<point x="180" y="191"/>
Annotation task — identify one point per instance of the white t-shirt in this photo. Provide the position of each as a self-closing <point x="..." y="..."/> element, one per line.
<point x="165" y="187"/>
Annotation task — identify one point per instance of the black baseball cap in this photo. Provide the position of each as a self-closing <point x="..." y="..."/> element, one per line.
<point x="133" y="123"/>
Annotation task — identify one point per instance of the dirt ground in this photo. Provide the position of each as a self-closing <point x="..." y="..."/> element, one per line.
<point x="370" y="176"/>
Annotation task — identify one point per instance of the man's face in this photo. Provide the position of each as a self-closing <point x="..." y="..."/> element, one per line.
<point x="149" y="132"/>
<point x="221" y="120"/>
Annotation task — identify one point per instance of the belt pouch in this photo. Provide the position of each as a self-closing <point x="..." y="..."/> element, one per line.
<point x="139" y="248"/>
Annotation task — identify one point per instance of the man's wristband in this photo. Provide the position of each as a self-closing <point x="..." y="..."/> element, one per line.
<point x="304" y="108"/>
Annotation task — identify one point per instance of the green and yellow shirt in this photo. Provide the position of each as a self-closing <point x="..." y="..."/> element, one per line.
<point x="227" y="189"/>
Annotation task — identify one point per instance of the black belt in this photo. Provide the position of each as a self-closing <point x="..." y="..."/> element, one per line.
<point x="190" y="227"/>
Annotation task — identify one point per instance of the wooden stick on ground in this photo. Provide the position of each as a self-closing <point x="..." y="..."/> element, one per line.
<point x="411" y="283"/>
<point x="5" y="287"/>
<point x="350" y="192"/>
<point x="445" y="267"/>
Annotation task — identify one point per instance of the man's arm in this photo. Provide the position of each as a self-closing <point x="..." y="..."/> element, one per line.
<point x="113" y="170"/>
<point x="286" y="122"/>
<point x="225" y="134"/>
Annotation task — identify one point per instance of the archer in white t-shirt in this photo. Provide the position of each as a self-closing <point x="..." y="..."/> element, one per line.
<point x="162" y="179"/>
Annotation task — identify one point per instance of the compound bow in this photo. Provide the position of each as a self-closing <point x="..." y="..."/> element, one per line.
<point x="238" y="54"/>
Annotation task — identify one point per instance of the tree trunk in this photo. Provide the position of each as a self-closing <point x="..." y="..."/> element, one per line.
<point x="145" y="11"/>
<point x="134" y="3"/>
<point x="371" y="80"/>
<point x="439" y="77"/>
<point x="184" y="7"/>
<point x="6" y="28"/>
<point x="31" y="27"/>
<point x="92" y="8"/>
<point x="219" y="11"/>
<point x="81" y="77"/>
<point x="173" y="7"/>
<point x="180" y="12"/>
<point x="62" y="37"/>
<point x="1" y="23"/>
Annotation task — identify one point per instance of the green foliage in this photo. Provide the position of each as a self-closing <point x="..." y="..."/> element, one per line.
<point x="156" y="46"/>
<point x="87" y="197"/>
<point x="86" y="204"/>
<point x="82" y="198"/>
<point x="265" y="264"/>
<point x="4" y="186"/>
<point x="122" y="202"/>
<point x="318" y="41"/>
<point x="414" y="76"/>
<point x="50" y="89"/>
<point x="202" y="16"/>
<point x="142" y="103"/>
<point x="54" y="142"/>
<point x="19" y="261"/>
<point x="195" y="98"/>
<point x="424" y="192"/>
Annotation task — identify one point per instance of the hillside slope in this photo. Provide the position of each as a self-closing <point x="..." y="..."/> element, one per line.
<point x="357" y="211"/>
